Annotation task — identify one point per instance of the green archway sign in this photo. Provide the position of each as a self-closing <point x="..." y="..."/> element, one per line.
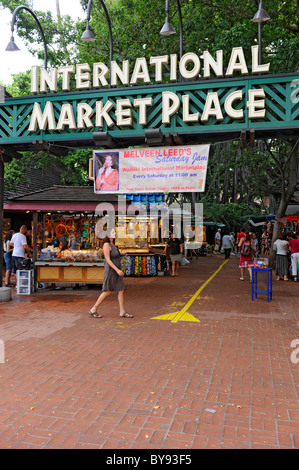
<point x="204" y="100"/>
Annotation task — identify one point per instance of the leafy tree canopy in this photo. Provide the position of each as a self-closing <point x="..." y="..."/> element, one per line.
<point x="207" y="25"/>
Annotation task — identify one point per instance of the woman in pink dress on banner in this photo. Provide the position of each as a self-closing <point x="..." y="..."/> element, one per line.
<point x="108" y="177"/>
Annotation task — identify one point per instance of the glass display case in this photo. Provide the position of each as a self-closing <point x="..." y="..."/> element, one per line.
<point x="71" y="256"/>
<point x="70" y="266"/>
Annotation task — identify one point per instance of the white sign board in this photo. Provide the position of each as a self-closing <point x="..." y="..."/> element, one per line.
<point x="151" y="170"/>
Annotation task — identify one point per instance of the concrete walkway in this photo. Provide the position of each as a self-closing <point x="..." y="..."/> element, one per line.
<point x="200" y="365"/>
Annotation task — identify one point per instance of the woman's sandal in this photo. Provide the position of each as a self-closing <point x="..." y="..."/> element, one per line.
<point x="126" y="315"/>
<point x="94" y="314"/>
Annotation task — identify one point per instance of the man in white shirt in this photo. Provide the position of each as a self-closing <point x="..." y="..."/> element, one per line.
<point x="218" y="241"/>
<point x="19" y="243"/>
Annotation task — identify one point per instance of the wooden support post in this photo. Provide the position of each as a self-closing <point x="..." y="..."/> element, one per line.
<point x="1" y="215"/>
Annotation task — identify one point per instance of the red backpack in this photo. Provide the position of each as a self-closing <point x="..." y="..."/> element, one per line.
<point x="246" y="249"/>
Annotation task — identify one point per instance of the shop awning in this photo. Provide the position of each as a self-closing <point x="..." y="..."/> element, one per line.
<point x="259" y="220"/>
<point x="213" y="224"/>
<point x="62" y="198"/>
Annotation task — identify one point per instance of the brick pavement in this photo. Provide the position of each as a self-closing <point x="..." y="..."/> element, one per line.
<point x="224" y="382"/>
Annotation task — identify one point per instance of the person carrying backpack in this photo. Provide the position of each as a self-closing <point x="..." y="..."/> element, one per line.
<point x="246" y="245"/>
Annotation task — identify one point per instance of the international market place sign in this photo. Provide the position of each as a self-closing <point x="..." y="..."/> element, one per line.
<point x="206" y="100"/>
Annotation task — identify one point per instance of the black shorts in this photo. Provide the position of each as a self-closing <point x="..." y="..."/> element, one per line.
<point x="15" y="262"/>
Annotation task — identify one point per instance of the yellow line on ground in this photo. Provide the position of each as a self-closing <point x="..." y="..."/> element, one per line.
<point x="176" y="316"/>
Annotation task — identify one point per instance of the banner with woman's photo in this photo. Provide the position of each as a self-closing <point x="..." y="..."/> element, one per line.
<point x="151" y="170"/>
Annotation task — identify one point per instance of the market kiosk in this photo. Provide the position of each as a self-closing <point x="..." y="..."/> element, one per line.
<point x="66" y="246"/>
<point x="78" y="254"/>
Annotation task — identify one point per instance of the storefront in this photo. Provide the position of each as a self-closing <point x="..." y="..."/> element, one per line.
<point x="66" y="245"/>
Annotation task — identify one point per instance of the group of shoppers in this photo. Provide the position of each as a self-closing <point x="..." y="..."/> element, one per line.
<point x="287" y="254"/>
<point x="16" y="244"/>
<point x="286" y="248"/>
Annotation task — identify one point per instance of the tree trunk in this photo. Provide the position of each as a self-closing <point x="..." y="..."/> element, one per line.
<point x="286" y="196"/>
<point x="58" y="9"/>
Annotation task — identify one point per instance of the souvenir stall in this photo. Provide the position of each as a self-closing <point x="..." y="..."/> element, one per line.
<point x="72" y="250"/>
<point x="137" y="236"/>
<point x="67" y="247"/>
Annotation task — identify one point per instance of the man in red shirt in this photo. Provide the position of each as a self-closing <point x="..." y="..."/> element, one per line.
<point x="294" y="245"/>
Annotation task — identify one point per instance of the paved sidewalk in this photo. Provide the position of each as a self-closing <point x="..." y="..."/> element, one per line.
<point x="211" y="370"/>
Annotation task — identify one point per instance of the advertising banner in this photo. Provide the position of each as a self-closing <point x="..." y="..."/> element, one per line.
<point x="151" y="170"/>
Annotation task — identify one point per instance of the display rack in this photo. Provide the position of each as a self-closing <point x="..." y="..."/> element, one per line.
<point x="25" y="282"/>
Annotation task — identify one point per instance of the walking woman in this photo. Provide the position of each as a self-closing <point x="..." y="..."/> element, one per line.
<point x="246" y="246"/>
<point x="281" y="245"/>
<point x="8" y="249"/>
<point x="113" y="278"/>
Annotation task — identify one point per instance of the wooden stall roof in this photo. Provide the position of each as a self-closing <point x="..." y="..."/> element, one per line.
<point x="61" y="198"/>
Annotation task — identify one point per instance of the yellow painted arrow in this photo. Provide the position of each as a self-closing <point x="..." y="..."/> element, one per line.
<point x="183" y="315"/>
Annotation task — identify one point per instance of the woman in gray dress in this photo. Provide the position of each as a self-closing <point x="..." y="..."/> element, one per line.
<point x="113" y="278"/>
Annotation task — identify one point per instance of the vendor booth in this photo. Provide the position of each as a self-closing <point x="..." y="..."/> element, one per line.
<point x="66" y="245"/>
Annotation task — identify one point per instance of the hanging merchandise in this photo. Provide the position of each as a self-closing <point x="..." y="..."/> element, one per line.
<point x="139" y="266"/>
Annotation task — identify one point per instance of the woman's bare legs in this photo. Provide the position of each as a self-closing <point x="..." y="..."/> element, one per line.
<point x="172" y="268"/>
<point x="7" y="277"/>
<point x="101" y="298"/>
<point x="121" y="302"/>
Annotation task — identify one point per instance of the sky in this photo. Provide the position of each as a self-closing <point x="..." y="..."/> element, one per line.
<point x="14" y="62"/>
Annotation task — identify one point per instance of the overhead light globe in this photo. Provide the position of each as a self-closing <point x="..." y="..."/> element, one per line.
<point x="88" y="35"/>
<point x="167" y="29"/>
<point x="261" y="15"/>
<point x="11" y="46"/>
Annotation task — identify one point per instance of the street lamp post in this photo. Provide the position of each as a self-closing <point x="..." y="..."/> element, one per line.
<point x="168" y="29"/>
<point x="260" y="17"/>
<point x="88" y="34"/>
<point x="11" y="46"/>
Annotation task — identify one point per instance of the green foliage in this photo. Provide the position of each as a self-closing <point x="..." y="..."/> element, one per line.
<point x="20" y="85"/>
<point x="207" y="25"/>
<point x="74" y="167"/>
<point x="233" y="216"/>
<point x="61" y="33"/>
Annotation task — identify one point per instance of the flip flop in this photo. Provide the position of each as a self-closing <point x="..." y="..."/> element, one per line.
<point x="126" y="315"/>
<point x="94" y="314"/>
